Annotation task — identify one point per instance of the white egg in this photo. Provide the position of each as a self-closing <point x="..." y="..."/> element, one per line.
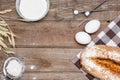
<point x="82" y="38"/>
<point x="92" y="26"/>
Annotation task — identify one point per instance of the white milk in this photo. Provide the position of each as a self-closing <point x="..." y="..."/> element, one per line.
<point x="33" y="9"/>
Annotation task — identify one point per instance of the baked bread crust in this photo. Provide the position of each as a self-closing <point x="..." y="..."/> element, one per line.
<point x="102" y="61"/>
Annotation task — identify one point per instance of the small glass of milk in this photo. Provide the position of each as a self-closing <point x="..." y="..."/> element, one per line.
<point x="32" y="10"/>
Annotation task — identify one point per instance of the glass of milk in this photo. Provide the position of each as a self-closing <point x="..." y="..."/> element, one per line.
<point x="32" y="10"/>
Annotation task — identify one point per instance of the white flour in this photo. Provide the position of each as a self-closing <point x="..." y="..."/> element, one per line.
<point x="14" y="68"/>
<point x="33" y="9"/>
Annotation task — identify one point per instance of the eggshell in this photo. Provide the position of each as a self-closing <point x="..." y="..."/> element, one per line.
<point x="92" y="26"/>
<point x="82" y="38"/>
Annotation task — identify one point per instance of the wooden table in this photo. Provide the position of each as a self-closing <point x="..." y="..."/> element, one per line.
<point x="48" y="46"/>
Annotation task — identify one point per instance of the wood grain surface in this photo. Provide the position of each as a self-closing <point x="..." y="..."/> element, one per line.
<point x="48" y="46"/>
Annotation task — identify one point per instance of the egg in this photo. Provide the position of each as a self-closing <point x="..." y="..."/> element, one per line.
<point x="92" y="26"/>
<point x="82" y="38"/>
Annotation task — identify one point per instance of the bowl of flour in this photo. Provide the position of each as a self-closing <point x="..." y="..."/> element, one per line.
<point x="13" y="68"/>
<point x="32" y="10"/>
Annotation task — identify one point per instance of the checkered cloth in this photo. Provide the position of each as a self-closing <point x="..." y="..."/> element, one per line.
<point x="109" y="36"/>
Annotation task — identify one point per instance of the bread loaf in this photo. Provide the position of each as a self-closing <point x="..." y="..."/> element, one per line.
<point x="102" y="62"/>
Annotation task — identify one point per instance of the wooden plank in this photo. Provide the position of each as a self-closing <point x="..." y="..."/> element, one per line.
<point x="48" y="59"/>
<point x="48" y="33"/>
<point x="48" y="63"/>
<point x="54" y="76"/>
<point x="113" y="5"/>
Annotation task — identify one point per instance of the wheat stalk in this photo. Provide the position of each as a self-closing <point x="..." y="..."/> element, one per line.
<point x="6" y="33"/>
